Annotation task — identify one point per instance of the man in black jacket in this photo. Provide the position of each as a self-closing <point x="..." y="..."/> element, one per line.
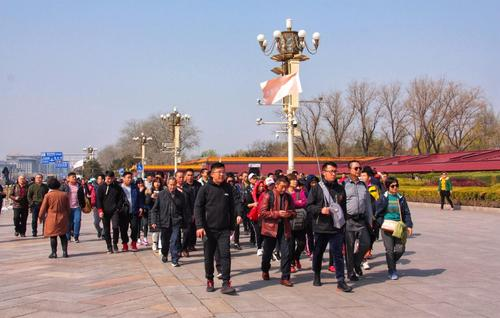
<point x="167" y="214"/>
<point x="110" y="200"/>
<point x="325" y="228"/>
<point x="191" y="188"/>
<point x="216" y="216"/>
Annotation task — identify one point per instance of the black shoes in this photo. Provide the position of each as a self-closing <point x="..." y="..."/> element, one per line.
<point x="227" y="288"/>
<point x="353" y="278"/>
<point x="358" y="270"/>
<point x="342" y="286"/>
<point x="237" y="246"/>
<point x="164" y="259"/>
<point x="317" y="280"/>
<point x="65" y="254"/>
<point x="53" y="255"/>
<point x="110" y="250"/>
<point x="115" y="247"/>
<point x="210" y="286"/>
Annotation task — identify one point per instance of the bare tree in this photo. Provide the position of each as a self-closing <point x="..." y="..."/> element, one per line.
<point x="309" y="119"/>
<point x="395" y="116"/>
<point x="466" y="107"/>
<point x="339" y="118"/>
<point x="361" y="97"/>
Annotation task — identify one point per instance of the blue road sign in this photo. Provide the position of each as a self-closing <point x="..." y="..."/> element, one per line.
<point x="62" y="165"/>
<point x="51" y="157"/>
<point x="139" y="166"/>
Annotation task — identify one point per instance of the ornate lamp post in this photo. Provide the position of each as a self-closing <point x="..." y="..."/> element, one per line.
<point x="90" y="156"/>
<point x="175" y="120"/>
<point x="289" y="46"/>
<point x="143" y="140"/>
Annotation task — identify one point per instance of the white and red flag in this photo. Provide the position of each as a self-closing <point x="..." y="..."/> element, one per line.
<point x="275" y="89"/>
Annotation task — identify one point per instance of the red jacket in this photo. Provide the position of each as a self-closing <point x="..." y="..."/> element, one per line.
<point x="253" y="214"/>
<point x="271" y="218"/>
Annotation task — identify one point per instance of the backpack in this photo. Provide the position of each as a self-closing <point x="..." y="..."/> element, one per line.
<point x="299" y="222"/>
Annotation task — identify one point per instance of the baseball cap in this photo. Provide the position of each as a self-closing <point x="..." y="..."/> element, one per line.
<point x="269" y="181"/>
<point x="251" y="176"/>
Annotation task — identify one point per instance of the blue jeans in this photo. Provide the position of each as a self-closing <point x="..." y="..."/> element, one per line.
<point x="169" y="241"/>
<point x="336" y="240"/>
<point x="35" y="208"/>
<point x="75" y="220"/>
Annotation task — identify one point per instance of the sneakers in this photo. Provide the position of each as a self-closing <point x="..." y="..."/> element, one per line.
<point x="293" y="269"/>
<point x="353" y="278"/>
<point x="77" y="240"/>
<point x="145" y="242"/>
<point x="358" y="270"/>
<point x="219" y="276"/>
<point x="124" y="247"/>
<point x="265" y="276"/>
<point x="176" y="264"/>
<point x="260" y="252"/>
<point x="342" y="286"/>
<point x="237" y="246"/>
<point x="365" y="265"/>
<point x="210" y="286"/>
<point x="286" y="283"/>
<point x="298" y="265"/>
<point x="133" y="246"/>
<point x="393" y="276"/>
<point x="331" y="268"/>
<point x="185" y="253"/>
<point x="317" y="280"/>
<point x="276" y="256"/>
<point x="227" y="288"/>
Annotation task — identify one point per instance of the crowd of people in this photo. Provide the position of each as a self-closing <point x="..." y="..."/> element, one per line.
<point x="287" y="217"/>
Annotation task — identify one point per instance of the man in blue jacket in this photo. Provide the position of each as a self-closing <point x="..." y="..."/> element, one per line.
<point x="135" y="209"/>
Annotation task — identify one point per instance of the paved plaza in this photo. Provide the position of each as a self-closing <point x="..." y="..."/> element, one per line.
<point x="450" y="269"/>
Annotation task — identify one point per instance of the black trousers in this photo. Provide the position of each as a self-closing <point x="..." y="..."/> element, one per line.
<point x="336" y="241"/>
<point x="187" y="238"/>
<point x="119" y="223"/>
<point x="64" y="243"/>
<point x="144" y="224"/>
<point x="269" y="245"/>
<point x="309" y="236"/>
<point x="236" y="234"/>
<point x="445" y="195"/>
<point x="355" y="259"/>
<point x="35" y="208"/>
<point x="135" y="225"/>
<point x="217" y="241"/>
<point x="258" y="236"/>
<point x="394" y="249"/>
<point x="297" y="244"/>
<point x="20" y="219"/>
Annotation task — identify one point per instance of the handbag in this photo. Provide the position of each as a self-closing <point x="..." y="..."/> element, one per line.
<point x="88" y="207"/>
<point x="389" y="226"/>
<point x="298" y="223"/>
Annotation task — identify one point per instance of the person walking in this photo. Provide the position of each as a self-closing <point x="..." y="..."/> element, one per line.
<point x="55" y="213"/>
<point x="76" y="198"/>
<point x="151" y="196"/>
<point x="445" y="188"/>
<point x="191" y="188"/>
<point x="36" y="192"/>
<point x="131" y="212"/>
<point x="93" y="201"/>
<point x="359" y="216"/>
<point x="252" y="201"/>
<point x="110" y="200"/>
<point x="167" y="215"/>
<point x="215" y="217"/>
<point x="298" y="239"/>
<point x="20" y="205"/>
<point x="327" y="205"/>
<point x="393" y="207"/>
<point x="275" y="211"/>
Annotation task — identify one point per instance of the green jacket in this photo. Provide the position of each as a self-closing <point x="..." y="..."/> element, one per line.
<point x="447" y="182"/>
<point x="36" y="192"/>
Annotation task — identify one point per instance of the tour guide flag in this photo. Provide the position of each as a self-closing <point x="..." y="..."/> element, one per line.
<point x="277" y="88"/>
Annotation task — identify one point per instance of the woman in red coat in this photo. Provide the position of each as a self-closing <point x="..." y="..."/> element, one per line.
<point x="55" y="210"/>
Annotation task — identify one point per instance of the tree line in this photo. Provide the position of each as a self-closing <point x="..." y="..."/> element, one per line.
<point x="423" y="117"/>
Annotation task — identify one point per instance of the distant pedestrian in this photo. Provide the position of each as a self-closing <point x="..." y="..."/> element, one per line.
<point x="445" y="189"/>
<point x="20" y="205"/>
<point x="167" y="215"/>
<point x="393" y="207"/>
<point x="151" y="197"/>
<point x="191" y="188"/>
<point x="2" y="196"/>
<point x="93" y="201"/>
<point x="55" y="212"/>
<point x="36" y="192"/>
<point x="131" y="213"/>
<point x="298" y="239"/>
<point x="76" y="197"/>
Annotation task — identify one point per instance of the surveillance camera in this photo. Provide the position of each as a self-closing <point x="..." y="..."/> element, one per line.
<point x="294" y="123"/>
<point x="259" y="101"/>
<point x="277" y="136"/>
<point x="259" y="121"/>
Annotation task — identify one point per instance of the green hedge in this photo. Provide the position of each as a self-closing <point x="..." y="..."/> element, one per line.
<point x="475" y="196"/>
<point x="489" y="178"/>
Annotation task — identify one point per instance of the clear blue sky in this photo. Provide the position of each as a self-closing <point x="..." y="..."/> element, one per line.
<point x="72" y="72"/>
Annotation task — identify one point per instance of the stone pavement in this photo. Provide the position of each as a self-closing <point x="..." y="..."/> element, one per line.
<point x="450" y="269"/>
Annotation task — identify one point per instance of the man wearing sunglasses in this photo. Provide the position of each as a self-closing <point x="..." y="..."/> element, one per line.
<point x="359" y="220"/>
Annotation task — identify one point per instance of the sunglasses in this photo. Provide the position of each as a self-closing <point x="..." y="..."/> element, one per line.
<point x="357" y="168"/>
<point x="394" y="186"/>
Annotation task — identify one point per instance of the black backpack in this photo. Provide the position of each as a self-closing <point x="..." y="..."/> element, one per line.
<point x="299" y="222"/>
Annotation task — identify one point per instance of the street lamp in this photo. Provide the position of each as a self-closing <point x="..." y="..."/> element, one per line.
<point x="90" y="156"/>
<point x="175" y="120"/>
<point x="143" y="140"/>
<point x="289" y="46"/>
